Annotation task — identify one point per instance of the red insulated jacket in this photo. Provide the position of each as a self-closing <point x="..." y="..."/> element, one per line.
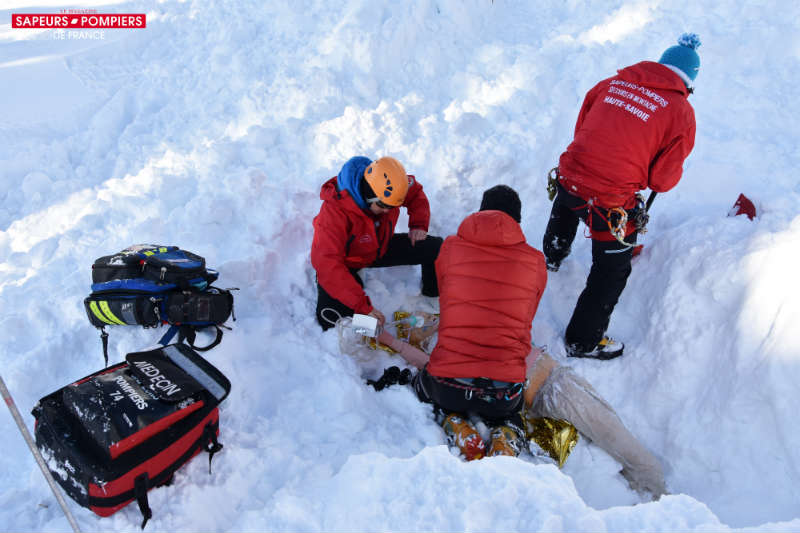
<point x="633" y="132"/>
<point x="348" y="237"/>
<point x="490" y="283"/>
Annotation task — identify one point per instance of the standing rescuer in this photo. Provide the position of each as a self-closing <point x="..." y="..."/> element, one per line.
<point x="633" y="132"/>
<point x="355" y="229"/>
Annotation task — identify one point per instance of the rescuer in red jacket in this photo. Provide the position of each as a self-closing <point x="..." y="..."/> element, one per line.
<point x="634" y="132"/>
<point x="490" y="284"/>
<point x="355" y="229"/>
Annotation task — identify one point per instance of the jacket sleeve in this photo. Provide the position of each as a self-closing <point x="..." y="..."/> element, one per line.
<point x="328" y="250"/>
<point x="419" y="211"/>
<point x="667" y="167"/>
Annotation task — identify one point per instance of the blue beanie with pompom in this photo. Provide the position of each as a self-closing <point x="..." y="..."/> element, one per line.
<point x="684" y="56"/>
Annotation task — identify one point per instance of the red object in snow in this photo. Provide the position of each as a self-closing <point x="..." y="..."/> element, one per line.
<point x="743" y="206"/>
<point x="637" y="249"/>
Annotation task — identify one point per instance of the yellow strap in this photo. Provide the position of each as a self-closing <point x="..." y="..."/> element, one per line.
<point x="100" y="316"/>
<point x="104" y="313"/>
<point x="107" y="310"/>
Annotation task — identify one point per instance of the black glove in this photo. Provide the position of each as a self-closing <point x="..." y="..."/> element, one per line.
<point x="391" y="376"/>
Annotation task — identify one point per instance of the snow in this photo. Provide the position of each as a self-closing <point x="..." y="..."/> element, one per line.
<point x="215" y="126"/>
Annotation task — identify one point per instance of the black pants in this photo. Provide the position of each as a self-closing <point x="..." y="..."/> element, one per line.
<point x="449" y="397"/>
<point x="399" y="252"/>
<point x="611" y="266"/>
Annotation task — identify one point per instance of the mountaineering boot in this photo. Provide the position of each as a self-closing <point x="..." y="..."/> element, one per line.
<point x="507" y="439"/>
<point x="606" y="349"/>
<point x="462" y="434"/>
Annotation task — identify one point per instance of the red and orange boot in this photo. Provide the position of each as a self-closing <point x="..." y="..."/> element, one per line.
<point x="462" y="434"/>
<point x="508" y="440"/>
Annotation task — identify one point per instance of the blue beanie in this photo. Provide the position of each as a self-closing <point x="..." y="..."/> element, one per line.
<point x="684" y="57"/>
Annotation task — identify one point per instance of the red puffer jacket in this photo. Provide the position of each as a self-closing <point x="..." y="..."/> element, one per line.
<point x="490" y="283"/>
<point x="347" y="237"/>
<point x="633" y="132"/>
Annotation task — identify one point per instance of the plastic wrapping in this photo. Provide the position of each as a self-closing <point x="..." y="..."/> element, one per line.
<point x="356" y="345"/>
<point x="566" y="395"/>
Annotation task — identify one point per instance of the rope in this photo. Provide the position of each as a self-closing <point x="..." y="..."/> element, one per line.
<point x="329" y="321"/>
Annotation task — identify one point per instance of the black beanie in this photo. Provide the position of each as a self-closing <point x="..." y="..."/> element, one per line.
<point x="503" y="198"/>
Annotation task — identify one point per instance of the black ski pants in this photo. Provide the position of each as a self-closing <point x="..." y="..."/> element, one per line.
<point x="399" y="252"/>
<point x="497" y="405"/>
<point x="611" y="266"/>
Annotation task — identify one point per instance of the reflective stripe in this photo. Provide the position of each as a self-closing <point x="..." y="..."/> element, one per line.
<point x="161" y="250"/>
<point x="100" y="316"/>
<point x="105" y="309"/>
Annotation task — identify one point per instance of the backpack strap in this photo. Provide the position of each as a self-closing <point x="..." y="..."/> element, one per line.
<point x="169" y="335"/>
<point x="189" y="334"/>
<point x="104" y="341"/>
<point x="140" y="486"/>
<point x="212" y="445"/>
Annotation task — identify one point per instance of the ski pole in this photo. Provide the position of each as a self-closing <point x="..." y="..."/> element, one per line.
<point x="38" y="456"/>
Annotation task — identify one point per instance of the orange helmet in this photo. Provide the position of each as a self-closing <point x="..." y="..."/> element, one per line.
<point x="388" y="180"/>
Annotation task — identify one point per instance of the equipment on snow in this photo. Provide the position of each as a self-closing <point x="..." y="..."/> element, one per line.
<point x="743" y="206"/>
<point x="557" y="438"/>
<point x="365" y="325"/>
<point x="115" y="434"/>
<point x="150" y="285"/>
<point x="36" y="455"/>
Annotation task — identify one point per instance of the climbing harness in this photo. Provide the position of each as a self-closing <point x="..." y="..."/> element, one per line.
<point x="485" y="389"/>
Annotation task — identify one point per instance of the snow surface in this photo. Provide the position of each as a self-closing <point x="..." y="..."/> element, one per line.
<point x="215" y="126"/>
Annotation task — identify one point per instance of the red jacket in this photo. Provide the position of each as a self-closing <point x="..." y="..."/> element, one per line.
<point x="490" y="283"/>
<point x="633" y="132"/>
<point x="347" y="237"/>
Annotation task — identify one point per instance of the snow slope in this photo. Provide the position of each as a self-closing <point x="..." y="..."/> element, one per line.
<point x="213" y="129"/>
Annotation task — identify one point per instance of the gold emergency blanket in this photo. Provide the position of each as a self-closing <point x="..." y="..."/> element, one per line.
<point x="556" y="437"/>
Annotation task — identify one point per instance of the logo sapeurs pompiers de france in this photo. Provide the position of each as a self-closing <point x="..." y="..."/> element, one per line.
<point x="79" y="23"/>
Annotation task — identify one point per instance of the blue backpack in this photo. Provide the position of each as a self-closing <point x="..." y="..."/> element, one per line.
<point x="150" y="285"/>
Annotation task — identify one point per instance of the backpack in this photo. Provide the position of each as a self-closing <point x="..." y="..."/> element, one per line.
<point x="114" y="435"/>
<point x="151" y="285"/>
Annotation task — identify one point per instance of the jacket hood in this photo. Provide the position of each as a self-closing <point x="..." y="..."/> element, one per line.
<point x="653" y="75"/>
<point x="332" y="192"/>
<point x="350" y="176"/>
<point x="493" y="228"/>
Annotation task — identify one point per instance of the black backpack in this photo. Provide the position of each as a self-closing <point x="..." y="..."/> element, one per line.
<point x="150" y="285"/>
<point x="112" y="436"/>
